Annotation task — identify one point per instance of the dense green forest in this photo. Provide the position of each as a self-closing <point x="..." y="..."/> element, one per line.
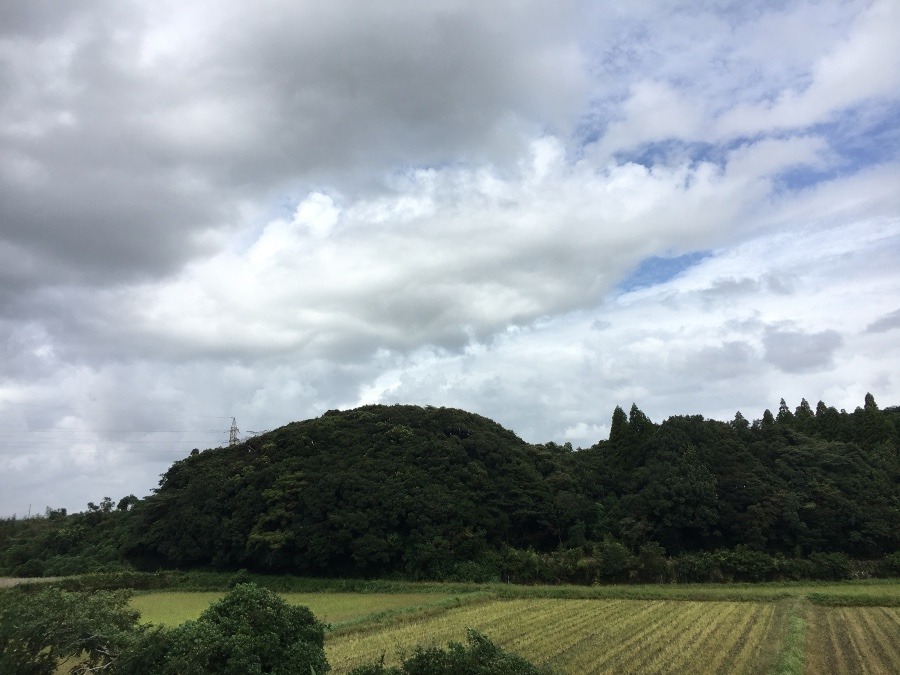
<point x="438" y="493"/>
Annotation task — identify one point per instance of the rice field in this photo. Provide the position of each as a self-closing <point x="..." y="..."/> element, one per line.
<point x="817" y="628"/>
<point x="592" y="636"/>
<point x="857" y="640"/>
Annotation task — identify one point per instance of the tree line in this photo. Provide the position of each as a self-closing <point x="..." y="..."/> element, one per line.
<point x="439" y="493"/>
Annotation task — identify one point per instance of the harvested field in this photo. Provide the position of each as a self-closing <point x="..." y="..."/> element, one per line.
<point x="592" y="636"/>
<point x="853" y="640"/>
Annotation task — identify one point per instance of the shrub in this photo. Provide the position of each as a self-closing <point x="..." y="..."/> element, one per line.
<point x="745" y="564"/>
<point x="250" y="631"/>
<point x="616" y="561"/>
<point x="830" y="566"/>
<point x="652" y="565"/>
<point x="480" y="657"/>
<point x="693" y="567"/>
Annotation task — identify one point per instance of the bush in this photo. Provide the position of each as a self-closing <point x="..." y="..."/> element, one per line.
<point x="694" y="567"/>
<point x="480" y="657"/>
<point x="745" y="564"/>
<point x="250" y="631"/>
<point x="830" y="566"/>
<point x="616" y="561"/>
<point x="652" y="565"/>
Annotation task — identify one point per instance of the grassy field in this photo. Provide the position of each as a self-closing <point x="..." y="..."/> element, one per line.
<point x="813" y="628"/>
<point x="171" y="609"/>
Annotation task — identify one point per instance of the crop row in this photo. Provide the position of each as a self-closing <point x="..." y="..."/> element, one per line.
<point x="590" y="636"/>
<point x="856" y="640"/>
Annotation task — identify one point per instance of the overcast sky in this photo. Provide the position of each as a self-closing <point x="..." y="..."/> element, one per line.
<point x="534" y="211"/>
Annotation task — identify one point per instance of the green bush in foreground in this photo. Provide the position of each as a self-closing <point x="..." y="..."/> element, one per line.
<point x="38" y="630"/>
<point x="249" y="631"/>
<point x="480" y="657"/>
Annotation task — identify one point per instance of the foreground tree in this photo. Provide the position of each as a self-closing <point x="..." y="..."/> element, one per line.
<point x="40" y="630"/>
<point x="250" y="631"/>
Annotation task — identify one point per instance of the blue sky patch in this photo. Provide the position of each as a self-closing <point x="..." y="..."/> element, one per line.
<point x="657" y="270"/>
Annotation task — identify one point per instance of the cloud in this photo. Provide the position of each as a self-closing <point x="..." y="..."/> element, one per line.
<point x="796" y="352"/>
<point x="130" y="131"/>
<point x="851" y="73"/>
<point x="885" y="323"/>
<point x="207" y="211"/>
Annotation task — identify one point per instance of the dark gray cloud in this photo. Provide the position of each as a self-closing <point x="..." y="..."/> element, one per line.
<point x="885" y="323"/>
<point x="129" y="133"/>
<point x="795" y="351"/>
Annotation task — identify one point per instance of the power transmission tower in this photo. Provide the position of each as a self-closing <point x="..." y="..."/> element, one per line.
<point x="233" y="432"/>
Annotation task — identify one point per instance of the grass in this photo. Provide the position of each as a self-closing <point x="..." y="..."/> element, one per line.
<point x="792" y="657"/>
<point x="173" y="608"/>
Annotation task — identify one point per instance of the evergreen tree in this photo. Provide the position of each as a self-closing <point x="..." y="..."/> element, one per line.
<point x="805" y="418"/>
<point x="639" y="425"/>
<point x="785" y="417"/>
<point x="618" y="429"/>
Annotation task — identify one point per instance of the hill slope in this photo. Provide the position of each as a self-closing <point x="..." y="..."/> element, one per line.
<point x="365" y="491"/>
<point x="442" y="493"/>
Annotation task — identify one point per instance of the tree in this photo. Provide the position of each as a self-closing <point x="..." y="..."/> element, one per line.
<point x="740" y="423"/>
<point x="785" y="416"/>
<point x="619" y="426"/>
<point x="40" y="630"/>
<point x="248" y="632"/>
<point x="806" y="419"/>
<point x="672" y="497"/>
<point x="768" y="422"/>
<point x="639" y="425"/>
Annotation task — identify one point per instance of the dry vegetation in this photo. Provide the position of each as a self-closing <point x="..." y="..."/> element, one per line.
<point x="858" y="640"/>
<point x="591" y="636"/>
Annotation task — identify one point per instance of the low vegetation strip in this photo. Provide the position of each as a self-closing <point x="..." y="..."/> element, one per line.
<point x="173" y="608"/>
<point x="9" y="582"/>
<point x="590" y="636"/>
<point x="870" y="592"/>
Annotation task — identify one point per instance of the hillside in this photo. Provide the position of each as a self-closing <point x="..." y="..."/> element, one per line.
<point x="427" y="492"/>
<point x="371" y="490"/>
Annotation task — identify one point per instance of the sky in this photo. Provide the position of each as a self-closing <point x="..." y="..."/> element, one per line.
<point x="534" y="211"/>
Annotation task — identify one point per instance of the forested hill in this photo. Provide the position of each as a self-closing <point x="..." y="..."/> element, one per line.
<point x="441" y="493"/>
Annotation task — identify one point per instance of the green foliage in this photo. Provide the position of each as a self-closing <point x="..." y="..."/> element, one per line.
<point x="39" y="630"/>
<point x="479" y="657"/>
<point x="437" y="493"/>
<point x="250" y="630"/>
